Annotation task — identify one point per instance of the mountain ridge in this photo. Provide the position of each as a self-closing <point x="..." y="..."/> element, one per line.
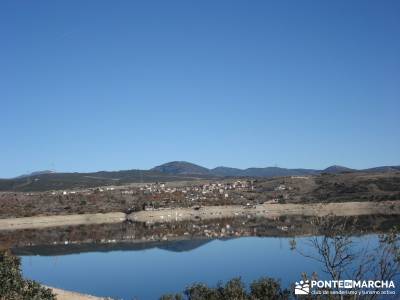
<point x="35" y="173"/>
<point x="171" y="171"/>
<point x="181" y="167"/>
<point x="186" y="168"/>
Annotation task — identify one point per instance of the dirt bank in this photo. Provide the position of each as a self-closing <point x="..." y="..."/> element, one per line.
<point x="269" y="210"/>
<point x="67" y="295"/>
<point x="65" y="220"/>
<point x="207" y="212"/>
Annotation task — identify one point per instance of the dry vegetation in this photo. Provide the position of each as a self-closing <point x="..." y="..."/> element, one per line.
<point x="307" y="189"/>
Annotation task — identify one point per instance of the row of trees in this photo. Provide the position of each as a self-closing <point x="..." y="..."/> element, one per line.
<point x="261" y="289"/>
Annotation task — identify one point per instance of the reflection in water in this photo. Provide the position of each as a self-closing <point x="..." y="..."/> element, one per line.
<point x="147" y="274"/>
<point x="105" y="237"/>
<point x="162" y="258"/>
<point x="341" y="257"/>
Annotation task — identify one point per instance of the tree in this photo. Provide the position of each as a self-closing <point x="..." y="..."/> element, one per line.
<point x="172" y="297"/>
<point x="261" y="289"/>
<point x="341" y="258"/>
<point x="267" y="289"/>
<point x="14" y="287"/>
<point x="201" y="291"/>
<point x="234" y="289"/>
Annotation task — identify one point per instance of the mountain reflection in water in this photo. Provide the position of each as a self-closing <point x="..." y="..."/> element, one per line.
<point x="146" y="260"/>
<point x="73" y="239"/>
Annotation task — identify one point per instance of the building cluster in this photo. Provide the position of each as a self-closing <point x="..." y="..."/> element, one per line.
<point x="88" y="191"/>
<point x="200" y="191"/>
<point x="159" y="195"/>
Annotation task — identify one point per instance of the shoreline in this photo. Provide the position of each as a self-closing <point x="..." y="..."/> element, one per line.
<point x="71" y="295"/>
<point x="61" y="220"/>
<point x="268" y="211"/>
<point x="206" y="212"/>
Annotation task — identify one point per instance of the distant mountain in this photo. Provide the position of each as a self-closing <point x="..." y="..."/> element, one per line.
<point x="172" y="171"/>
<point x="383" y="169"/>
<point x="61" y="181"/>
<point x="275" y="171"/>
<point x="36" y="173"/>
<point x="335" y="169"/>
<point x="225" y="171"/>
<point x="186" y="168"/>
<point x="181" y="168"/>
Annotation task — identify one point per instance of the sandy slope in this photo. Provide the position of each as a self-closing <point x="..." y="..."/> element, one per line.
<point x="62" y="220"/>
<point x="67" y="295"/>
<point x="269" y="210"/>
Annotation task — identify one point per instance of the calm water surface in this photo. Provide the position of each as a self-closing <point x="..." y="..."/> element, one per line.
<point x="149" y="273"/>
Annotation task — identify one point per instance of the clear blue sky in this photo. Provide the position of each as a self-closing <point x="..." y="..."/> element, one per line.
<point x="109" y="85"/>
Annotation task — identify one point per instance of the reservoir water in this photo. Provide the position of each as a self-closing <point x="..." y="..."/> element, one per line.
<point x="147" y="273"/>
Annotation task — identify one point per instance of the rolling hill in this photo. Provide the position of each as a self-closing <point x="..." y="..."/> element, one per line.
<point x="181" y="168"/>
<point x="60" y="181"/>
<point x="335" y="169"/>
<point x="172" y="171"/>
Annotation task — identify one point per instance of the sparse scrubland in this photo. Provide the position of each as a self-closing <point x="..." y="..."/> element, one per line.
<point x="348" y="187"/>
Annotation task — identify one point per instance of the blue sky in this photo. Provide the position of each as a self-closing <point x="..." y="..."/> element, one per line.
<point x="109" y="85"/>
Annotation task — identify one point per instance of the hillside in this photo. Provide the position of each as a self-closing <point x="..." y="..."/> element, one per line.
<point x="335" y="169"/>
<point x="181" y="168"/>
<point x="324" y="188"/>
<point x="60" y="181"/>
<point x="226" y="171"/>
<point x="172" y="171"/>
